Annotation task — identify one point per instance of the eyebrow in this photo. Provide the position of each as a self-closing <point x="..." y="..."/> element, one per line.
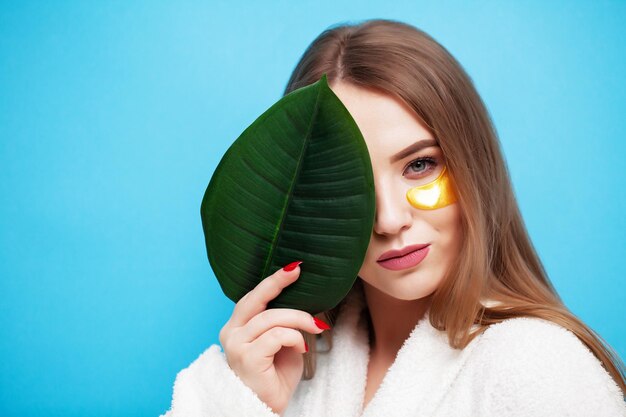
<point x="419" y="145"/>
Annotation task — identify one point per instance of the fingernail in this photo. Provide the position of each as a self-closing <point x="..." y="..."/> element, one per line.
<point x="291" y="266"/>
<point x="319" y="323"/>
<point x="306" y="347"/>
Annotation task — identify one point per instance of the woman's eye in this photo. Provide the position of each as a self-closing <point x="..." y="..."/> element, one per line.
<point x="421" y="165"/>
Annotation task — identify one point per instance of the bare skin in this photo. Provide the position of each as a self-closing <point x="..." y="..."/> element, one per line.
<point x="264" y="347"/>
<point x="398" y="299"/>
<point x="382" y="355"/>
<point x="375" y="374"/>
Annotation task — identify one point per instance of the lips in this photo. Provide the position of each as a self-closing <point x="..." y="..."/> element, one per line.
<point x="396" y="253"/>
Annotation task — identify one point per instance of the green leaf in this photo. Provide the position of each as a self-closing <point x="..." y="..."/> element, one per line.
<point x="296" y="185"/>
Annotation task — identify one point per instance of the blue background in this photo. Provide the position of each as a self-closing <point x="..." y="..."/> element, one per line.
<point x="113" y="116"/>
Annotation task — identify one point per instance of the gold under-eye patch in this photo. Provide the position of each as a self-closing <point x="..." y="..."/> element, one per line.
<point x="436" y="194"/>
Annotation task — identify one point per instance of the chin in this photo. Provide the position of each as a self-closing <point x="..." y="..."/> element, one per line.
<point x="409" y="288"/>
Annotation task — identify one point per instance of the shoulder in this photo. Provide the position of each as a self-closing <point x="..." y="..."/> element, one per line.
<point x="530" y="341"/>
<point x="544" y="368"/>
<point x="531" y="335"/>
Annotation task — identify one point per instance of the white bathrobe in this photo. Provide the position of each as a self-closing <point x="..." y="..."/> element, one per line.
<point x="520" y="367"/>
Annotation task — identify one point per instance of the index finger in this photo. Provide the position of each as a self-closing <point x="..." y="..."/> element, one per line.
<point x="256" y="300"/>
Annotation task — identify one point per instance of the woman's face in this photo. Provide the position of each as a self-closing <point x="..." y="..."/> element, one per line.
<point x="389" y="127"/>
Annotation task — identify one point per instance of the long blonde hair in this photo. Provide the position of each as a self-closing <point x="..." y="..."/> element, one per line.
<point x="497" y="260"/>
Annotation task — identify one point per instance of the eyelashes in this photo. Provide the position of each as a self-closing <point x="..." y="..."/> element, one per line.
<point x="430" y="161"/>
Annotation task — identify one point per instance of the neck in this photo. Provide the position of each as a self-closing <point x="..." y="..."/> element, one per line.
<point x="391" y="320"/>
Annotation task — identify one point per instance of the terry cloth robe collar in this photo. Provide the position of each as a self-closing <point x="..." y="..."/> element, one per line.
<point x="520" y="367"/>
<point x="423" y="370"/>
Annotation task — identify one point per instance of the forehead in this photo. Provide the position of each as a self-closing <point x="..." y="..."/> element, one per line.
<point x="388" y="125"/>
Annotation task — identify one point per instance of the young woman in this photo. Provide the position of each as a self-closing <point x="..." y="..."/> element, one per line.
<point x="452" y="313"/>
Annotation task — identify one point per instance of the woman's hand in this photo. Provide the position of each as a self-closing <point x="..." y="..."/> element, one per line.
<point x="263" y="346"/>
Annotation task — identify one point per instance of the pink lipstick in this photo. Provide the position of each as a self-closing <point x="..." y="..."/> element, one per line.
<point x="408" y="257"/>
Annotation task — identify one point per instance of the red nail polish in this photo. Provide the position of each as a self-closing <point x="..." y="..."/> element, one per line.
<point x="291" y="266"/>
<point x="319" y="323"/>
<point x="306" y="347"/>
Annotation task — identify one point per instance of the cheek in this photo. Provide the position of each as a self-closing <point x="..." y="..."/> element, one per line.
<point x="446" y="222"/>
<point x="445" y="229"/>
<point x="451" y="226"/>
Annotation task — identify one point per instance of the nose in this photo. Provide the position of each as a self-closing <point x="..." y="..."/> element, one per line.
<point x="393" y="212"/>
